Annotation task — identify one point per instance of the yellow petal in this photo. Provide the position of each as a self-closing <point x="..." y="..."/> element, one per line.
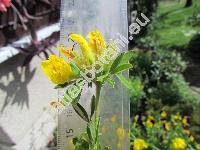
<point x="84" y="46"/>
<point x="139" y="144"/>
<point x="57" y="70"/>
<point x="97" y="42"/>
<point x="178" y="144"/>
<point x="66" y="52"/>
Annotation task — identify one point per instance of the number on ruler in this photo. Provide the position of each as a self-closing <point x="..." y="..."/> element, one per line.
<point x="69" y="133"/>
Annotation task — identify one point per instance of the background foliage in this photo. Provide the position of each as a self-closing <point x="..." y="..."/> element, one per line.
<point x="164" y="52"/>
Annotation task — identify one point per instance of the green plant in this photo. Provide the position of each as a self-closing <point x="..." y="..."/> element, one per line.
<point x="153" y="69"/>
<point x="160" y="84"/>
<point x="172" y="26"/>
<point x="88" y="69"/>
<point x="161" y="131"/>
<point x="158" y="75"/>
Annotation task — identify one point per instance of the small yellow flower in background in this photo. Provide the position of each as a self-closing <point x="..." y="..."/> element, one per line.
<point x="70" y="144"/>
<point x="113" y="119"/>
<point x="186" y="131"/>
<point x="139" y="144"/>
<point x="177" y="117"/>
<point x="179" y="144"/>
<point x="103" y="129"/>
<point x="163" y="114"/>
<point x="167" y="126"/>
<point x="57" y="69"/>
<point x="150" y="117"/>
<point x="191" y="138"/>
<point x="175" y="123"/>
<point x="119" y="145"/>
<point x="150" y="121"/>
<point x="185" y="121"/>
<point x="156" y="124"/>
<point x="97" y="42"/>
<point x="120" y="133"/>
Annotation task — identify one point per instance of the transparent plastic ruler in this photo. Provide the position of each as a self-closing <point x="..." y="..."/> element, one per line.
<point x="110" y="17"/>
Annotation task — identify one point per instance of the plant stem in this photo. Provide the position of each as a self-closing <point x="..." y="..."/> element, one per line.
<point x="98" y="92"/>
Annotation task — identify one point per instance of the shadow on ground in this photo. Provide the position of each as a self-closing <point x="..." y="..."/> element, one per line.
<point x="5" y="140"/>
<point x="13" y="82"/>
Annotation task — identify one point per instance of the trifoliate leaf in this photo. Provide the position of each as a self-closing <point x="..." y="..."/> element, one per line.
<point x="121" y="68"/>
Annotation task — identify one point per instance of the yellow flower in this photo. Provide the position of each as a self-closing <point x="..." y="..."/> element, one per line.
<point x="113" y="118"/>
<point x="119" y="145"/>
<point x="163" y="114"/>
<point x="150" y="121"/>
<point x="139" y="144"/>
<point x="176" y="117"/>
<point x="175" y="123"/>
<point x="191" y="138"/>
<point x="178" y="144"/>
<point x="84" y="46"/>
<point x="97" y="42"/>
<point x="167" y="126"/>
<point x="120" y="133"/>
<point x="103" y="129"/>
<point x="156" y="124"/>
<point x="66" y="52"/>
<point x="185" y="121"/>
<point x="70" y="144"/>
<point x="57" y="70"/>
<point x="186" y="131"/>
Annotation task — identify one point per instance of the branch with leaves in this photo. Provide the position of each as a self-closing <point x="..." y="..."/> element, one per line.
<point x="64" y="73"/>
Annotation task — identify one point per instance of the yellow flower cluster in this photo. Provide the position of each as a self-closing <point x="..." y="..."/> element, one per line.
<point x="139" y="144"/>
<point x="150" y="121"/>
<point x="174" y="132"/>
<point x="178" y="144"/>
<point x="120" y="133"/>
<point x="175" y="120"/>
<point x="59" y="71"/>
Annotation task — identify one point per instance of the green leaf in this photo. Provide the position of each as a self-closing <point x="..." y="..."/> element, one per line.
<point x="103" y="78"/>
<point x="67" y="97"/>
<point x="126" y="82"/>
<point x="93" y="105"/>
<point x="116" y="62"/>
<point x="80" y="111"/>
<point x="97" y="130"/>
<point x="61" y="86"/>
<point x="111" y="82"/>
<point x="75" y="69"/>
<point x="127" y="56"/>
<point x="123" y="58"/>
<point x="121" y="68"/>
<point x="89" y="133"/>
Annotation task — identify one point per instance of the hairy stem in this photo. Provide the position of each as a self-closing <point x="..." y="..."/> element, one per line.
<point x="98" y="92"/>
